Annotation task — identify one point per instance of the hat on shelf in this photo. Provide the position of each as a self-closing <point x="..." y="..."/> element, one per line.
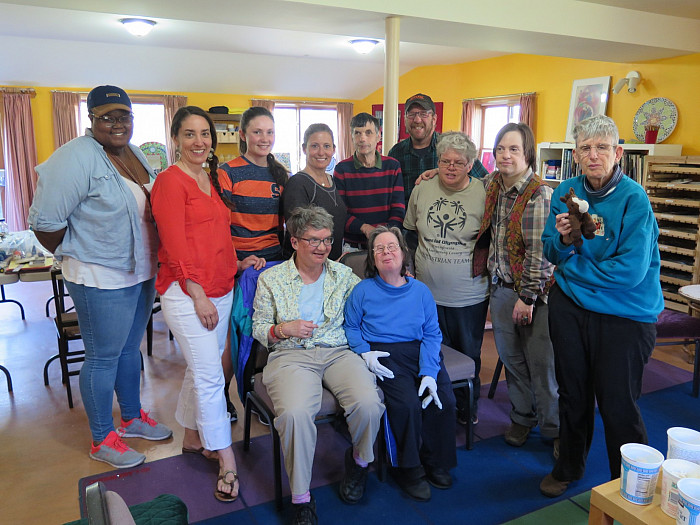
<point x="222" y="110"/>
<point x="104" y="99"/>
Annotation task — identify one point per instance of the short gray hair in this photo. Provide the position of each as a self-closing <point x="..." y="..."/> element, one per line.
<point x="308" y="217"/>
<point x="457" y="141"/>
<point x="598" y="126"/>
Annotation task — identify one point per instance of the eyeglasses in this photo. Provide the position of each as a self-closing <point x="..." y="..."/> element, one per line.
<point x="391" y="248"/>
<point x="315" y="243"/>
<point x="111" y="121"/>
<point x="460" y="165"/>
<point x="602" y="149"/>
<point x="413" y="115"/>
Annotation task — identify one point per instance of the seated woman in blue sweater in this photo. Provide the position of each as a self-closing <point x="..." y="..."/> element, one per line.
<point x="417" y="390"/>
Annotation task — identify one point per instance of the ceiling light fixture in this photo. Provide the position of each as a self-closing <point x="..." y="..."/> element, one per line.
<point x="363" y="45"/>
<point x="138" y="26"/>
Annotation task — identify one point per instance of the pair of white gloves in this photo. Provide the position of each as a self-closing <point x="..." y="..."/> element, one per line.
<point x="378" y="369"/>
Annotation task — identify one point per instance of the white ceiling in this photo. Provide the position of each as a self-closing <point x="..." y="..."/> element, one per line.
<point x="299" y="47"/>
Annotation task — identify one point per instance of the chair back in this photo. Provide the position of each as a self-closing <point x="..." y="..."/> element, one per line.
<point x="356" y="261"/>
<point x="64" y="318"/>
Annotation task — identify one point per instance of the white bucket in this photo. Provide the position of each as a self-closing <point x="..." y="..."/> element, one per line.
<point x="683" y="443"/>
<point x="688" y="502"/>
<point x="639" y="472"/>
<point x="673" y="470"/>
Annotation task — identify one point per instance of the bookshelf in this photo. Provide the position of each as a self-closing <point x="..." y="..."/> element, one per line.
<point x="226" y="135"/>
<point x="673" y="186"/>
<point x="559" y="155"/>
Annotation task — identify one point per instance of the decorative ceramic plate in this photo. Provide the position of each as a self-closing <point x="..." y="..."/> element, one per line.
<point x="660" y="111"/>
<point x="156" y="154"/>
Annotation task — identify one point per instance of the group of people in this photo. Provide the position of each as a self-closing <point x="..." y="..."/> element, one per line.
<point x="446" y="241"/>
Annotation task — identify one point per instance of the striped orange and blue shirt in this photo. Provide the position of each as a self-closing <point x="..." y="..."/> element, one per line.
<point x="257" y="223"/>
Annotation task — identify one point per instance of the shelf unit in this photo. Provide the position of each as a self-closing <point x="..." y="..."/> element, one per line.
<point x="673" y="186"/>
<point x="227" y="140"/>
<point x="632" y="160"/>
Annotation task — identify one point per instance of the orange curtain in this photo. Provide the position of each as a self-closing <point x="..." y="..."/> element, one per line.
<point x="344" y="138"/>
<point x="267" y="104"/>
<point x="19" y="147"/>
<point x="66" y="108"/>
<point x="527" y="110"/>
<point x="171" y="103"/>
<point x="468" y="117"/>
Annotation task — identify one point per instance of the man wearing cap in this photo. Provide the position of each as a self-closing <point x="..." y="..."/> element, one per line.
<point x="417" y="153"/>
<point x="91" y="210"/>
<point x="370" y="184"/>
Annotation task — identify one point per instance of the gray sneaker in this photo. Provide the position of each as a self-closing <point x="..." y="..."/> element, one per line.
<point x="115" y="452"/>
<point x="144" y="427"/>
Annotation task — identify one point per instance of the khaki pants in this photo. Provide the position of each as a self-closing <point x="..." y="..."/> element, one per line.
<point x="295" y="379"/>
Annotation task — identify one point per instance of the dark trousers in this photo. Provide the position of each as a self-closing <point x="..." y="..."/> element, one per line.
<point x="463" y="329"/>
<point x="423" y="436"/>
<point x="597" y="357"/>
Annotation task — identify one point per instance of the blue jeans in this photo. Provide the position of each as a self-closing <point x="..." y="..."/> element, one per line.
<point x="112" y="324"/>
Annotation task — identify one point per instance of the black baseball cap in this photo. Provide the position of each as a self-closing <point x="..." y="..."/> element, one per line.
<point x="422" y="100"/>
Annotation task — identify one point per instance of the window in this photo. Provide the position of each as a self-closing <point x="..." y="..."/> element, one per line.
<point x="149" y="122"/>
<point x="291" y="121"/>
<point x="493" y="118"/>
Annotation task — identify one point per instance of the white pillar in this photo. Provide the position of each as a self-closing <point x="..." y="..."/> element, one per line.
<point x="391" y="83"/>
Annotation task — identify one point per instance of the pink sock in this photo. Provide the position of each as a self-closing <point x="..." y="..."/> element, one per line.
<point x="358" y="460"/>
<point x="301" y="498"/>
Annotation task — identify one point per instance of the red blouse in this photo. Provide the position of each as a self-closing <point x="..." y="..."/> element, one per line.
<point x="195" y="240"/>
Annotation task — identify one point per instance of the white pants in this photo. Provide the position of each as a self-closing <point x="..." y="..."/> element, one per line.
<point x="201" y="405"/>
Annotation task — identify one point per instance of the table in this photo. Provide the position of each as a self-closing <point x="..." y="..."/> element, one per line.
<point x="607" y="505"/>
<point x="691" y="293"/>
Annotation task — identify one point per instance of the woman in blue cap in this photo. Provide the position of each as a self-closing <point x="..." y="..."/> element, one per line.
<point x="92" y="210"/>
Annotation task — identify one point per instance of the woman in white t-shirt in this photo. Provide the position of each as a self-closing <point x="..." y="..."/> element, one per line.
<point x="445" y="212"/>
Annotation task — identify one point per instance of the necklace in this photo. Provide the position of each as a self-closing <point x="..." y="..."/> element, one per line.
<point x="196" y="177"/>
<point x="130" y="175"/>
<point x="329" y="190"/>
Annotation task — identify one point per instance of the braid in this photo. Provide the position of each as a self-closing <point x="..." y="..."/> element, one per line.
<point x="278" y="171"/>
<point x="214" y="178"/>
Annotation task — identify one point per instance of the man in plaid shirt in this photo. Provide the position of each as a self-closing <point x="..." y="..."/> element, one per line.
<point x="416" y="154"/>
<point x="517" y="207"/>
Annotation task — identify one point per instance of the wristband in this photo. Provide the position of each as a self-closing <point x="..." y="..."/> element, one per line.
<point x="284" y="336"/>
<point x="527" y="300"/>
<point x="273" y="335"/>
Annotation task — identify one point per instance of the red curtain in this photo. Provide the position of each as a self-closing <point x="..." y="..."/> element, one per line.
<point x="19" y="148"/>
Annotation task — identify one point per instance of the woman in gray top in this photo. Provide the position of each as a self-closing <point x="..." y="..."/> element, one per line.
<point x="313" y="185"/>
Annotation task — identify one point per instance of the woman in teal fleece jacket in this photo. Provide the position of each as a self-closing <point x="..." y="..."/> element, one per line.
<point x="604" y="305"/>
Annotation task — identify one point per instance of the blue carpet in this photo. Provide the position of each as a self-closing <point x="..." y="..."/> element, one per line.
<point x="494" y="482"/>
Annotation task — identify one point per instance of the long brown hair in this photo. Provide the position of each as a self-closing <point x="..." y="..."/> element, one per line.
<point x="212" y="159"/>
<point x="277" y="170"/>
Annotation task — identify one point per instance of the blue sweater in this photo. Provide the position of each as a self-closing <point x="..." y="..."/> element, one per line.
<point x="617" y="272"/>
<point x="377" y="312"/>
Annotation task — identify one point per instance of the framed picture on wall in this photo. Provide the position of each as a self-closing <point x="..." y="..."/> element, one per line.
<point x="589" y="97"/>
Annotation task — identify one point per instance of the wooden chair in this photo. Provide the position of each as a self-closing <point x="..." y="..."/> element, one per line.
<point x="149" y="328"/>
<point x="67" y="330"/>
<point x="460" y="367"/>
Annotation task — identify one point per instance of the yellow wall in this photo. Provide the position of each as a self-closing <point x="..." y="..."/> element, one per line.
<point x="42" y="110"/>
<point x="677" y="79"/>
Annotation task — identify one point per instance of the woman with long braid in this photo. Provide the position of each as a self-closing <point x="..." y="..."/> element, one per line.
<point x="254" y="182"/>
<point x="198" y="265"/>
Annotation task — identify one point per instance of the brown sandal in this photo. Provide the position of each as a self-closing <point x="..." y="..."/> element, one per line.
<point x="212" y="457"/>
<point x="226" y="496"/>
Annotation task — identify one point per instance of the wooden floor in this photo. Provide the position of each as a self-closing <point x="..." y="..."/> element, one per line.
<point x="44" y="445"/>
